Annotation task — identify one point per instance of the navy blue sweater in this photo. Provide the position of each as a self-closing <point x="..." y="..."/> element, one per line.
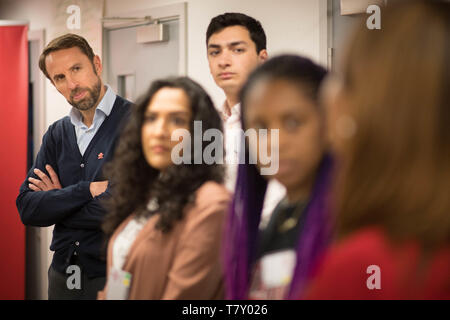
<point x="77" y="216"/>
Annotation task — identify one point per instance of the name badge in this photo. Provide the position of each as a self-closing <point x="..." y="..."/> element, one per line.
<point x="119" y="282"/>
<point x="277" y="268"/>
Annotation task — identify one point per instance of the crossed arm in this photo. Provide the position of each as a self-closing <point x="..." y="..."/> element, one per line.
<point x="46" y="183"/>
<point x="90" y="215"/>
<point x="43" y="201"/>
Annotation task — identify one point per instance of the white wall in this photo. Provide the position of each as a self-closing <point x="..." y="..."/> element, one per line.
<point x="290" y="25"/>
<point x="296" y="26"/>
<point x="36" y="12"/>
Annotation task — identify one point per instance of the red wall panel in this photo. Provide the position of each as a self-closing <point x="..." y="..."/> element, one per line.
<point x="13" y="159"/>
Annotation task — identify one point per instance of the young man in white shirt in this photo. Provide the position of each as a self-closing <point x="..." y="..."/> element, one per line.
<point x="236" y="45"/>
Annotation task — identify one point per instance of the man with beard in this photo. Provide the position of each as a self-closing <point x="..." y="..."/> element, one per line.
<point x="65" y="187"/>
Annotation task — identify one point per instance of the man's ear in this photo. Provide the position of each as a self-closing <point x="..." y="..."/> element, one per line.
<point x="98" y="65"/>
<point x="263" y="55"/>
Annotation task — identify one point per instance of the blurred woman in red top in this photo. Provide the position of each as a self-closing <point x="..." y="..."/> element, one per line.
<point x="389" y="119"/>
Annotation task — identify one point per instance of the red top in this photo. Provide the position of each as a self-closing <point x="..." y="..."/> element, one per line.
<point x="349" y="270"/>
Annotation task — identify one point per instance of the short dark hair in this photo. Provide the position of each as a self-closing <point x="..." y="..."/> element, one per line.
<point x="67" y="41"/>
<point x="230" y="19"/>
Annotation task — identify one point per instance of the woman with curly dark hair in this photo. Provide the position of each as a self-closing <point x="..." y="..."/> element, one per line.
<point x="166" y="219"/>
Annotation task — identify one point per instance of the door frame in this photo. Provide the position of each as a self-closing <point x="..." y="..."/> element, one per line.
<point x="177" y="11"/>
<point x="38" y="36"/>
<point x="39" y="112"/>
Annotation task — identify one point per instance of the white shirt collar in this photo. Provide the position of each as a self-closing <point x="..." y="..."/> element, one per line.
<point x="235" y="111"/>
<point x="107" y="102"/>
<point x="105" y="105"/>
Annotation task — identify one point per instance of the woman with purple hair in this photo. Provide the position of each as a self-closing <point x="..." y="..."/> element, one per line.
<point x="280" y="96"/>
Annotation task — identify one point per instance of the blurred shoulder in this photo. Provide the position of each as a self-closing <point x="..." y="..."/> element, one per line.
<point x="211" y="192"/>
<point x="343" y="270"/>
<point x="208" y="210"/>
<point x="367" y="241"/>
<point x="359" y="250"/>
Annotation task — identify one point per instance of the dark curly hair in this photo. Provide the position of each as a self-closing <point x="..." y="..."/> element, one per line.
<point x="134" y="182"/>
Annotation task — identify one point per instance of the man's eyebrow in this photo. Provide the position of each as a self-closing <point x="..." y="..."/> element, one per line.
<point x="236" y="43"/>
<point x="212" y="45"/>
<point x="231" y="44"/>
<point x="77" y="64"/>
<point x="56" y="76"/>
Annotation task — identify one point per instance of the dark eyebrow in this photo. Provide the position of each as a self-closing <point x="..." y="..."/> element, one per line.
<point x="179" y="113"/>
<point x="287" y="115"/>
<point x="57" y="76"/>
<point x="214" y="46"/>
<point x="236" y="43"/>
<point x="175" y="113"/>
<point x="232" y="44"/>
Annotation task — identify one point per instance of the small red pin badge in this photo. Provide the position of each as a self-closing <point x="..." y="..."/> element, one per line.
<point x="100" y="156"/>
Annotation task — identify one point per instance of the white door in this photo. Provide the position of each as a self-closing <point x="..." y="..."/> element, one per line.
<point x="131" y="66"/>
